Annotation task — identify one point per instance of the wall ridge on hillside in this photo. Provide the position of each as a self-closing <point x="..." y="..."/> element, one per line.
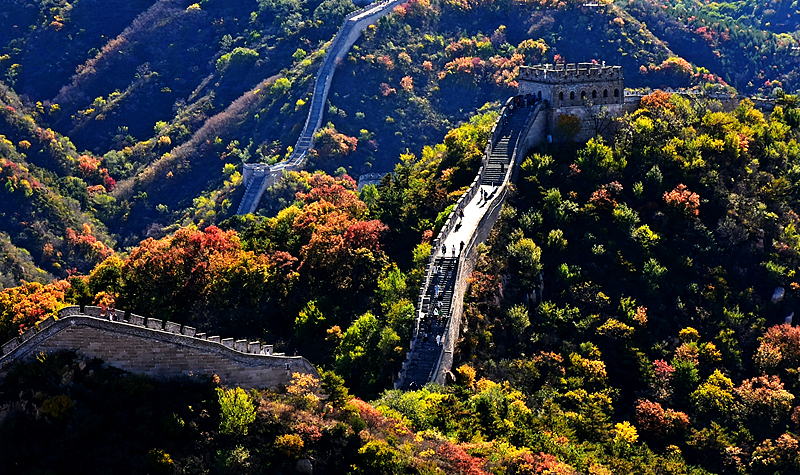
<point x="254" y="177"/>
<point x="154" y="347"/>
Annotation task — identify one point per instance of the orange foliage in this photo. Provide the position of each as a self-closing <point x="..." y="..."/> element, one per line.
<point x="683" y="200"/>
<point x="507" y="69"/>
<point x="460" y="460"/>
<point x="335" y="242"/>
<point x="90" y="169"/>
<point x="407" y="84"/>
<point x="88" y="165"/>
<point x="88" y="245"/>
<point x="541" y="463"/>
<point x="371" y="416"/>
<point x="764" y="396"/>
<point x="202" y="272"/>
<point x="385" y="61"/>
<point x="386" y="90"/>
<point x="787" y="339"/>
<point x="331" y="143"/>
<point x="658" y="99"/>
<point x="22" y="307"/>
<point x="677" y="66"/>
<point x="601" y="199"/>
<point x="462" y="47"/>
<point x="419" y="8"/>
<point x="653" y="419"/>
<point x="465" y="65"/>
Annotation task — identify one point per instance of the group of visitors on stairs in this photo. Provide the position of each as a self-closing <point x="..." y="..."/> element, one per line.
<point x="430" y="338"/>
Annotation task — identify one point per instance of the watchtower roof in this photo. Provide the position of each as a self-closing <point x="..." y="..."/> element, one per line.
<point x="570" y="73"/>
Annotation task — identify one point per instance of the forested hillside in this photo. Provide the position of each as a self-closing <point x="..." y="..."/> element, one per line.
<point x="142" y="121"/>
<point x="626" y="315"/>
<point x="648" y="280"/>
<point x="331" y="276"/>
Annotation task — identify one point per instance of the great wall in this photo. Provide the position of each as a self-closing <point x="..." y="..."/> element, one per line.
<point x="521" y="125"/>
<point x="153" y="347"/>
<point x="165" y="349"/>
<point x="258" y="177"/>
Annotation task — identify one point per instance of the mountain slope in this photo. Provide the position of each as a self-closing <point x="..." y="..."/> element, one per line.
<point x="167" y="94"/>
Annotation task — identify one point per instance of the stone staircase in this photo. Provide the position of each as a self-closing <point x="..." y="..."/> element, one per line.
<point x="500" y="158"/>
<point x="425" y="357"/>
<point x="426" y="361"/>
<point x="251" y="194"/>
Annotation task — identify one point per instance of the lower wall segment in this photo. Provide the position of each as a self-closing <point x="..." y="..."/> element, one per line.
<point x="157" y="353"/>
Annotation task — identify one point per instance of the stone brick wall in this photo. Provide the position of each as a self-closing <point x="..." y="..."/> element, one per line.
<point x="573" y="85"/>
<point x="532" y="136"/>
<point x="348" y="34"/>
<point x="155" y="348"/>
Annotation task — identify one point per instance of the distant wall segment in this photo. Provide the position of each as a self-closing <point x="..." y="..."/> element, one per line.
<point x="347" y="35"/>
<point x="155" y="348"/>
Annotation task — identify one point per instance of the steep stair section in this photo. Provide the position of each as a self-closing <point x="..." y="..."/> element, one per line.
<point x="469" y="222"/>
<point x="252" y="194"/>
<point x="500" y="158"/>
<point x="437" y="309"/>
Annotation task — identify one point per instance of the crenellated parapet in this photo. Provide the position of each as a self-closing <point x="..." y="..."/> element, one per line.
<point x="520" y="125"/>
<point x="154" y="347"/>
<point x="571" y="72"/>
<point x="574" y="85"/>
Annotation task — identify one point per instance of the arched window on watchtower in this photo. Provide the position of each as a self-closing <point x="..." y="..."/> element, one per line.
<point x="616" y="92"/>
<point x="561" y="96"/>
<point x="583" y="95"/>
<point x="540" y="95"/>
<point x="605" y="92"/>
<point x="594" y="94"/>
<point x="572" y="95"/>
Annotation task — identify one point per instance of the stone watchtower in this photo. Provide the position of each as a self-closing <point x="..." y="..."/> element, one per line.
<point x="585" y="91"/>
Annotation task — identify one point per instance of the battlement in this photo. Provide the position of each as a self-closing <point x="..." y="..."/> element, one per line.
<point x="570" y="73"/>
<point x="574" y="85"/>
<point x="154" y="347"/>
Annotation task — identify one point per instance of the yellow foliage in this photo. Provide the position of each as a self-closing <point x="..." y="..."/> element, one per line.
<point x="290" y="445"/>
<point x="625" y="432"/>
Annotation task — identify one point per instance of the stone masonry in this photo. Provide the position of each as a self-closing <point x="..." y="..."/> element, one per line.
<point x="583" y="90"/>
<point x="571" y="85"/>
<point x="520" y="126"/>
<point x="258" y="177"/>
<point x="155" y="348"/>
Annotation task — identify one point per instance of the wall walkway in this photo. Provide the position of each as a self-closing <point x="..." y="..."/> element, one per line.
<point x="439" y="308"/>
<point x="347" y="35"/>
<point x="155" y="348"/>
